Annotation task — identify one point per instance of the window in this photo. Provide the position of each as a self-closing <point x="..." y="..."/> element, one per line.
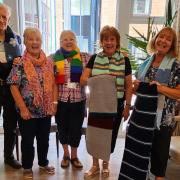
<point x="141" y="7"/>
<point x="31" y="13"/>
<point x="83" y="18"/>
<point x="40" y="14"/>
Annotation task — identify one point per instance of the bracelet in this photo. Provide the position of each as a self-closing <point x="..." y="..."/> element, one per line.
<point x="55" y="102"/>
<point x="128" y="104"/>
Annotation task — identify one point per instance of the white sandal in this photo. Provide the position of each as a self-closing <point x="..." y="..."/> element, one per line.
<point x="95" y="170"/>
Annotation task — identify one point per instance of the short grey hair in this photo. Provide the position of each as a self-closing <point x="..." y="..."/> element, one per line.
<point x="30" y="30"/>
<point x="67" y="32"/>
<point x="2" y="5"/>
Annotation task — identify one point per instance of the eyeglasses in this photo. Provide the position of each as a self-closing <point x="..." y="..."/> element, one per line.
<point x="4" y="18"/>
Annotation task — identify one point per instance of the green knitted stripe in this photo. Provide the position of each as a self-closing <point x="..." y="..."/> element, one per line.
<point x="76" y="62"/>
<point x="99" y="71"/>
<point x="72" y="53"/>
<point x="58" y="57"/>
<point x="119" y="67"/>
<point x="120" y="94"/>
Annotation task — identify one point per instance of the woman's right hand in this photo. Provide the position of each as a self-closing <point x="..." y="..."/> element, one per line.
<point x="25" y="114"/>
<point x="16" y="61"/>
<point x="135" y="85"/>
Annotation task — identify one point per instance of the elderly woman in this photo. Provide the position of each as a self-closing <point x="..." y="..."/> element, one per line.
<point x="10" y="48"/>
<point x="103" y="126"/>
<point x="69" y="62"/>
<point x="34" y="91"/>
<point x="152" y="121"/>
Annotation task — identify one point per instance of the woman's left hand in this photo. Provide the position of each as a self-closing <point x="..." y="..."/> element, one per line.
<point x="54" y="109"/>
<point x="125" y="113"/>
<point x="155" y="82"/>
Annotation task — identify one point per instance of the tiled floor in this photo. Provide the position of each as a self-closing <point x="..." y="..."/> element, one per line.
<point x="7" y="173"/>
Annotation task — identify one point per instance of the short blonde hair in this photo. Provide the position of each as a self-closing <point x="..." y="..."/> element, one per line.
<point x="4" y="6"/>
<point x="67" y="32"/>
<point x="31" y="30"/>
<point x="107" y="31"/>
<point x="172" y="51"/>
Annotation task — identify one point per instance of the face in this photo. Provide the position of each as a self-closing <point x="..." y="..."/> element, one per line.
<point x="33" y="44"/>
<point x="68" y="42"/>
<point x="4" y="19"/>
<point x="109" y="45"/>
<point x="163" y="42"/>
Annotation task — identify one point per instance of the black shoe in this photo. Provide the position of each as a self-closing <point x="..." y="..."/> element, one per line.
<point x="13" y="163"/>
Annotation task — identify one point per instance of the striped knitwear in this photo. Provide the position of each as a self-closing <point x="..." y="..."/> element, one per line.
<point x="74" y="59"/>
<point x="114" y="66"/>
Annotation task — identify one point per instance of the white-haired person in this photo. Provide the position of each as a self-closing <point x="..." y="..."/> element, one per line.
<point x="10" y="48"/>
<point x="33" y="88"/>
<point x="69" y="63"/>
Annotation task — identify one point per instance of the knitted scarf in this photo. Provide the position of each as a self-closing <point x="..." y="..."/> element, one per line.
<point x="43" y="96"/>
<point x="74" y="59"/>
<point x="114" y="66"/>
<point x="162" y="76"/>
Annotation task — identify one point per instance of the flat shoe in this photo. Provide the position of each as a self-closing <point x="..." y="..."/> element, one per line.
<point x="28" y="174"/>
<point x="48" y="169"/>
<point x="13" y="163"/>
<point x="105" y="171"/>
<point x="94" y="171"/>
<point x="76" y="163"/>
<point x="65" y="162"/>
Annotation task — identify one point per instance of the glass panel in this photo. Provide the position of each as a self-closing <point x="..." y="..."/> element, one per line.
<point x="31" y="13"/>
<point x="75" y="24"/>
<point x="141" y="7"/>
<point x="75" y="7"/>
<point x="85" y="7"/>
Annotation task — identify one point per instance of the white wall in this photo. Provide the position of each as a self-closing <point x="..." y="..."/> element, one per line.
<point x="14" y="20"/>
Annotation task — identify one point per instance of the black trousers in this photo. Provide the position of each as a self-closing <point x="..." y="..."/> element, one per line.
<point x="160" y="150"/>
<point x="9" y="121"/>
<point x="69" y="119"/>
<point x="116" y="124"/>
<point x="29" y="129"/>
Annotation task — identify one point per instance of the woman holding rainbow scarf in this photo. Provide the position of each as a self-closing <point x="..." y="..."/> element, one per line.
<point x="69" y="63"/>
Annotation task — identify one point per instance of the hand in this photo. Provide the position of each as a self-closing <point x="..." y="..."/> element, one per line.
<point x="16" y="61"/>
<point x="125" y="113"/>
<point x="25" y="114"/>
<point x="54" y="109"/>
<point x="155" y="82"/>
<point x="135" y="85"/>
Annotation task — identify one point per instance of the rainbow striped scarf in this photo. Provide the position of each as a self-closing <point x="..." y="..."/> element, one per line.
<point x="75" y="65"/>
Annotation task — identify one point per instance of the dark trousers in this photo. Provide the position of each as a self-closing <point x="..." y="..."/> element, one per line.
<point x="9" y="121"/>
<point x="29" y="129"/>
<point x="116" y="124"/>
<point x="160" y="150"/>
<point x="69" y="119"/>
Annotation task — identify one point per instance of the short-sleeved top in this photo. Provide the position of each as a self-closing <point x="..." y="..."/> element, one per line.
<point x="128" y="69"/>
<point x="18" y="77"/>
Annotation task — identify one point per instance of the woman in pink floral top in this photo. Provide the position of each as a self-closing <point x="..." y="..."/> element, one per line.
<point x="34" y="91"/>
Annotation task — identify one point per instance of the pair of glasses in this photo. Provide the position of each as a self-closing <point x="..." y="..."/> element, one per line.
<point x="4" y="18"/>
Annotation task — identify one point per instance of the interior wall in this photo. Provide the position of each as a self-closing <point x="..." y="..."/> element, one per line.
<point x="14" y="20"/>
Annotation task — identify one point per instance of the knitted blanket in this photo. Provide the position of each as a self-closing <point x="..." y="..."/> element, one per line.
<point x="139" y="137"/>
<point x="102" y="110"/>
